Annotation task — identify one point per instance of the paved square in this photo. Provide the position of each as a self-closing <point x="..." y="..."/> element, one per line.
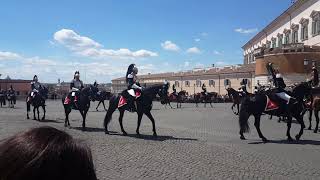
<point x="193" y="143"/>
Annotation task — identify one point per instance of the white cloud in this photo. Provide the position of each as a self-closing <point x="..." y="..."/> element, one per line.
<point x="199" y="65"/>
<point x="246" y="31"/>
<point x="204" y="34"/>
<point x="38" y="61"/>
<point x="193" y="50"/>
<point x="170" y="46"/>
<point x="5" y="55"/>
<point x="87" y="47"/>
<point x="74" y="41"/>
<point x="186" y="64"/>
<point x="217" y="52"/>
<point x="197" y="39"/>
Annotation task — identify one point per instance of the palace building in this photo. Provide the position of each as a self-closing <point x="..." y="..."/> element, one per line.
<point x="291" y="42"/>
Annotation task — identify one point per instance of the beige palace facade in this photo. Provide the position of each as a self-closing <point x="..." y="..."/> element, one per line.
<point x="291" y="42"/>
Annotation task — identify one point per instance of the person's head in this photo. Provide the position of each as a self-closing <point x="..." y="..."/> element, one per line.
<point x="35" y="78"/>
<point x="77" y="75"/>
<point x="278" y="75"/>
<point x="314" y="69"/>
<point x="135" y="70"/>
<point x="45" y="153"/>
<point x="11" y="86"/>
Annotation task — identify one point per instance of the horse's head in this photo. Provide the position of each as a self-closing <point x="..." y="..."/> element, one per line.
<point x="91" y="92"/>
<point x="301" y="90"/>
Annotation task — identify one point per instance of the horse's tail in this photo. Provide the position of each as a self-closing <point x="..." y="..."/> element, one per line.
<point x="112" y="107"/>
<point x="244" y="116"/>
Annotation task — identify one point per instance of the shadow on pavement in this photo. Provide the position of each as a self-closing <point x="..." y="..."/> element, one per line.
<point x="301" y="142"/>
<point x="50" y="121"/>
<point x="158" y="138"/>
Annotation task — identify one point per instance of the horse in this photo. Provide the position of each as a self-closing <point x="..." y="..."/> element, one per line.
<point x="179" y="98"/>
<point x="236" y="99"/>
<point x="206" y="98"/>
<point x="11" y="97"/>
<point x="313" y="106"/>
<point x="101" y="97"/>
<point x="38" y="100"/>
<point x="144" y="106"/>
<point x="2" y="98"/>
<point x="256" y="105"/>
<point x="82" y="105"/>
<point x="166" y="101"/>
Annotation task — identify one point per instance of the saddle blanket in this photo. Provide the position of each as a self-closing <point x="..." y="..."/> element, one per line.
<point x="270" y="105"/>
<point x="122" y="101"/>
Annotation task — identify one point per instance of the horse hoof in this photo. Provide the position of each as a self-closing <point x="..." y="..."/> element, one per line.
<point x="290" y="139"/>
<point x="28" y="118"/>
<point x="106" y="132"/>
<point x="265" y="140"/>
<point x="155" y="135"/>
<point x="309" y="128"/>
<point x="65" y="125"/>
<point x="34" y="119"/>
<point x="242" y="138"/>
<point x="297" y="137"/>
<point x="124" y="133"/>
<point x="97" y="109"/>
<point x="315" y="131"/>
<point x="138" y="133"/>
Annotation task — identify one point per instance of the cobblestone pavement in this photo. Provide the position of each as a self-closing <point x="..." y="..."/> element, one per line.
<point x="193" y="143"/>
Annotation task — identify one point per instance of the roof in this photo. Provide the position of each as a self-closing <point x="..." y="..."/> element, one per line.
<point x="293" y="7"/>
<point x="212" y="71"/>
<point x="14" y="81"/>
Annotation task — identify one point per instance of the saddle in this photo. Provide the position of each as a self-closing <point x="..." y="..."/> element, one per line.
<point x="72" y="98"/>
<point x="273" y="101"/>
<point x="123" y="100"/>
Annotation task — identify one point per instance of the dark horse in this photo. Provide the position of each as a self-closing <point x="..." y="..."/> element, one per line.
<point x="236" y="99"/>
<point x="206" y="98"/>
<point x="2" y="98"/>
<point x="144" y="106"/>
<point x="11" y="97"/>
<point x="101" y="97"/>
<point x="39" y="100"/>
<point x="179" y="98"/>
<point x="255" y="105"/>
<point x="83" y="104"/>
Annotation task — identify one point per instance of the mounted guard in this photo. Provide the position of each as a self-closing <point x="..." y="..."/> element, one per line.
<point x="280" y="85"/>
<point x="76" y="86"/>
<point x="35" y="88"/>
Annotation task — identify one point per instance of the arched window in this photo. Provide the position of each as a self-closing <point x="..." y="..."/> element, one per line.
<point x="198" y="83"/>
<point x="211" y="83"/>
<point x="176" y="83"/>
<point x="227" y="82"/>
<point x="187" y="83"/>
<point x="315" y="15"/>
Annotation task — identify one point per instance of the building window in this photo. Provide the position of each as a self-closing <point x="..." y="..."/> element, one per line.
<point x="227" y="82"/>
<point x="176" y="83"/>
<point x="315" y="15"/>
<point x="211" y="83"/>
<point x="287" y="37"/>
<point x="273" y="43"/>
<point x="280" y="40"/>
<point x="187" y="83"/>
<point x="268" y="44"/>
<point x="304" y="28"/>
<point x="198" y="83"/>
<point x="295" y="29"/>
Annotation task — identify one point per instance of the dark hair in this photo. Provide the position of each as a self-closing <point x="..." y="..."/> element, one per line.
<point x="45" y="153"/>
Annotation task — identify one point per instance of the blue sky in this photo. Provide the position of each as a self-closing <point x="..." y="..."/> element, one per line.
<point x="102" y="37"/>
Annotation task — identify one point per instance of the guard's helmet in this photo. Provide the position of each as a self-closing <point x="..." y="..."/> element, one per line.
<point x="35" y="78"/>
<point x="76" y="74"/>
<point x="135" y="70"/>
<point x="314" y="68"/>
<point x="278" y="75"/>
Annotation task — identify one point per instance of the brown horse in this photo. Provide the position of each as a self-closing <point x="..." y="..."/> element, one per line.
<point x="313" y="106"/>
<point x="236" y="99"/>
<point x="206" y="98"/>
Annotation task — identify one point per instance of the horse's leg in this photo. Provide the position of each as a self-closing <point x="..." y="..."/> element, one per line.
<point x="34" y="113"/>
<point x="44" y="112"/>
<point x="149" y="115"/>
<point x="300" y="120"/>
<point x="98" y="106"/>
<point x="257" y="125"/>
<point x="38" y="112"/>
<point x="316" y="114"/>
<point x="140" y="114"/>
<point x="83" y="114"/>
<point x="28" y="109"/>
<point x="289" y="121"/>
<point x="310" y="118"/>
<point x="67" y="112"/>
<point x="211" y="104"/>
<point x="120" y="122"/>
<point x="104" y="106"/>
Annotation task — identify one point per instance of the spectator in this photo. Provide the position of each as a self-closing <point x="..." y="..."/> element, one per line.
<point x="45" y="153"/>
